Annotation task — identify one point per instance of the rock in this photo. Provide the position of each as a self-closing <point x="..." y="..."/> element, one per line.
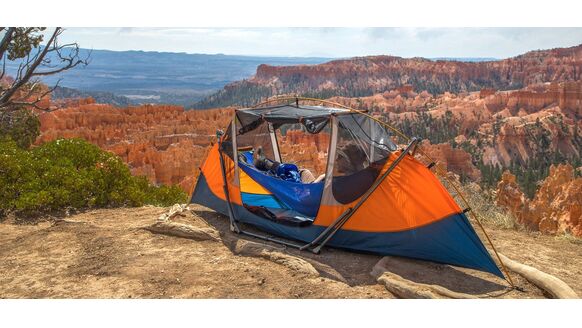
<point x="486" y="92"/>
<point x="452" y="159"/>
<point x="509" y="195"/>
<point x="556" y="206"/>
<point x="558" y="203"/>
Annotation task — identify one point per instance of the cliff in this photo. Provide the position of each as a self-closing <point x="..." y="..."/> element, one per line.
<point x="532" y="121"/>
<point x="556" y="207"/>
<point x="364" y="76"/>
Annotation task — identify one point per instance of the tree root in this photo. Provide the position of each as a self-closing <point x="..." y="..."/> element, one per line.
<point x="404" y="288"/>
<point x="164" y="226"/>
<point x="248" y="248"/>
<point x="176" y="209"/>
<point x="552" y="285"/>
<point x="184" y="231"/>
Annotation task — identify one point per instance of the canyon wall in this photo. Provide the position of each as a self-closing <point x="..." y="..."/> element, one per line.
<point x="364" y="76"/>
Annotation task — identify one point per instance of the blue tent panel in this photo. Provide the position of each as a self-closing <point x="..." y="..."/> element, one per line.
<point x="301" y="197"/>
<point x="268" y="201"/>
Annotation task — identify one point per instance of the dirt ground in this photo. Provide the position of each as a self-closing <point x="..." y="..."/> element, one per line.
<point x="108" y="254"/>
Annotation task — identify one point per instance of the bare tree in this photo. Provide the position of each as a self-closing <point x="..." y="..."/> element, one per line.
<point x="24" y="45"/>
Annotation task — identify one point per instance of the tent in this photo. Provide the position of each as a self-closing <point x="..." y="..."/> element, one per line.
<point x="375" y="196"/>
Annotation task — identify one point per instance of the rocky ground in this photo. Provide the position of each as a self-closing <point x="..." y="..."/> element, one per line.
<point x="108" y="254"/>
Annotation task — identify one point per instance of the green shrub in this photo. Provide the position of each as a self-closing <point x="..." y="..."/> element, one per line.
<point x="22" y="126"/>
<point x="72" y="173"/>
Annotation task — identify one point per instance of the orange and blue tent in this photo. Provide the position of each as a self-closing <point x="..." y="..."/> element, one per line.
<point x="375" y="196"/>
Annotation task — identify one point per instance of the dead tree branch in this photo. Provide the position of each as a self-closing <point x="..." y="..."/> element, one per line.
<point x="22" y="45"/>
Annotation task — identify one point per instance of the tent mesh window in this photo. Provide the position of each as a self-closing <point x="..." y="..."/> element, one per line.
<point x="305" y="149"/>
<point x="363" y="146"/>
<point x="226" y="146"/>
<point x="258" y="137"/>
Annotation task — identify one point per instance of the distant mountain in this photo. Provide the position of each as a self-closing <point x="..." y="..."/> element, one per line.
<point x="101" y="97"/>
<point x="364" y="76"/>
<point x="162" y="77"/>
<point x="466" y="59"/>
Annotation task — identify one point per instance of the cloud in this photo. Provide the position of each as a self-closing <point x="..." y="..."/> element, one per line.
<point x="332" y="41"/>
<point x="125" y="29"/>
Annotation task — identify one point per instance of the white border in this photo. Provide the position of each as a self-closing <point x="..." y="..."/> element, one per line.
<point x="289" y="313"/>
<point x="304" y="13"/>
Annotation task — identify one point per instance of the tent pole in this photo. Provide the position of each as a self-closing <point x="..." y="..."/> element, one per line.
<point x="377" y="183"/>
<point x="233" y="225"/>
<point x="342" y="220"/>
<point x="328" y="229"/>
<point x="274" y="240"/>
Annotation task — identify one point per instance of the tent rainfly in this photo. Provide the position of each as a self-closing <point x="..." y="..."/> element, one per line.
<point x="374" y="197"/>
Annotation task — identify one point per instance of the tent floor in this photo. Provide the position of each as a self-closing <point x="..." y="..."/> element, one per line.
<point x="283" y="216"/>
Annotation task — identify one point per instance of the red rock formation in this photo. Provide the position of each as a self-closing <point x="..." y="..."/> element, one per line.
<point x="452" y="159"/>
<point x="486" y="92"/>
<point x="377" y="74"/>
<point x="164" y="143"/>
<point x="556" y="207"/>
<point x="304" y="149"/>
<point x="506" y="123"/>
<point x="399" y="100"/>
<point x="558" y="202"/>
<point x="510" y="197"/>
<point x="567" y="95"/>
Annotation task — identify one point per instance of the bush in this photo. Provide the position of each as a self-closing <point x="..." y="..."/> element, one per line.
<point x="72" y="173"/>
<point x="22" y="126"/>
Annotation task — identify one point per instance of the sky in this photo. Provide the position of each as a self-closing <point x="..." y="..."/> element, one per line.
<point x="329" y="42"/>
